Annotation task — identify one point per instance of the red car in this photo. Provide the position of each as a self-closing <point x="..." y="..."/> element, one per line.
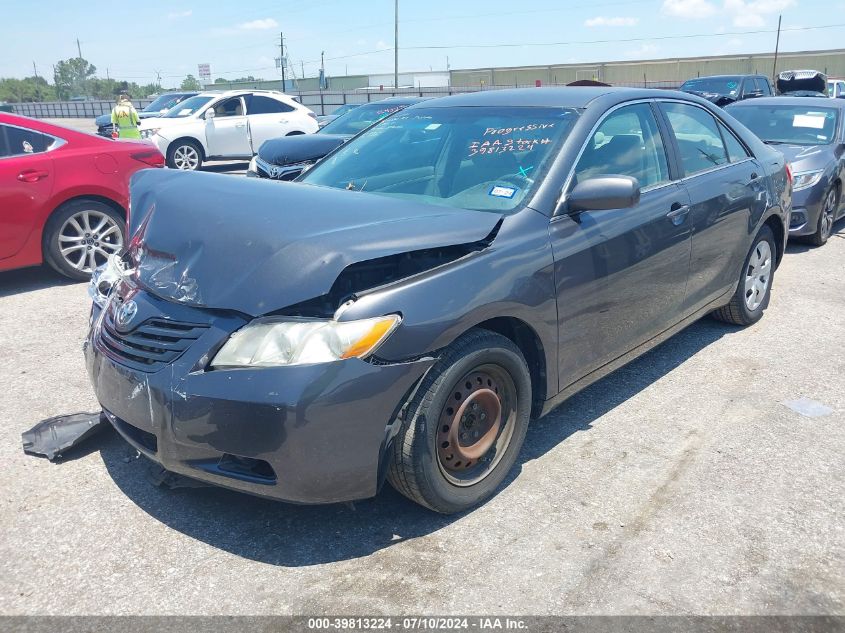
<point x="64" y="195"/>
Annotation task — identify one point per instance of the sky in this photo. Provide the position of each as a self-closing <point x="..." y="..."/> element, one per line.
<point x="135" y="40"/>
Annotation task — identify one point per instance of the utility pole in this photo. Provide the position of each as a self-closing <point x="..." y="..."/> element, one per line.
<point x="79" y="48"/>
<point x="395" y="44"/>
<point x="302" y="68"/>
<point x="282" y="57"/>
<point x="107" y="74"/>
<point x="322" y="68"/>
<point x="777" y="45"/>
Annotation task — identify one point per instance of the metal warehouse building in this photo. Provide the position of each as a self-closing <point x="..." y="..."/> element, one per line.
<point x="653" y="72"/>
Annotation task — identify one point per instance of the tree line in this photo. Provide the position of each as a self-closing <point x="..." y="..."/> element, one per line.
<point x="76" y="77"/>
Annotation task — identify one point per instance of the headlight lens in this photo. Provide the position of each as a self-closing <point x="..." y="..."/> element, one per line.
<point x="805" y="179"/>
<point x="103" y="280"/>
<point x="149" y="132"/>
<point x="277" y="341"/>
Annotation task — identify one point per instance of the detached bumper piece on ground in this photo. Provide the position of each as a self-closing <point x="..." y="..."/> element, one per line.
<point x="53" y="437"/>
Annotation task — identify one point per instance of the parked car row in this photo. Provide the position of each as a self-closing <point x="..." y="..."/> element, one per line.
<point x="159" y="107"/>
<point x="440" y="272"/>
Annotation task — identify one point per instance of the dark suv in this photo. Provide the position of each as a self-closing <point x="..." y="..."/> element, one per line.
<point x="725" y="89"/>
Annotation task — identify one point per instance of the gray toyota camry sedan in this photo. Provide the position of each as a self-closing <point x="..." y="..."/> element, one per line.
<point x="406" y="308"/>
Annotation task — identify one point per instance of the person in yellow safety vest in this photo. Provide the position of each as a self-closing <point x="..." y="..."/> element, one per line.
<point x="125" y="118"/>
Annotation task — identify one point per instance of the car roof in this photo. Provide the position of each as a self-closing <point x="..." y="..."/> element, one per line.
<point x="822" y="102"/>
<point x="396" y="101"/>
<point x="241" y="91"/>
<point x="564" y="97"/>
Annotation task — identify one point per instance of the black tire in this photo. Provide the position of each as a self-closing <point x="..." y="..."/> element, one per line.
<point x="178" y="151"/>
<point x="827" y="217"/>
<point x="417" y="464"/>
<point x="738" y="310"/>
<point x="89" y="247"/>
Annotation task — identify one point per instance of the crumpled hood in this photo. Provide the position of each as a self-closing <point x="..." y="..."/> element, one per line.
<point x="258" y="246"/>
<point x="289" y="150"/>
<point x="806" y="157"/>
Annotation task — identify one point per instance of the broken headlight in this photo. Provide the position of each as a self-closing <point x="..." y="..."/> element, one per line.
<point x="805" y="179"/>
<point x="103" y="280"/>
<point x="276" y="341"/>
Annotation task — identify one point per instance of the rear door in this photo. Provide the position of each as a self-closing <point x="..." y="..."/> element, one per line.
<point x="621" y="274"/>
<point x="226" y="134"/>
<point x="26" y="182"/>
<point x="728" y="193"/>
<point x="268" y="118"/>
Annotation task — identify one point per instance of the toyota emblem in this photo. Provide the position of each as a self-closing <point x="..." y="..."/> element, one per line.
<point x="125" y="313"/>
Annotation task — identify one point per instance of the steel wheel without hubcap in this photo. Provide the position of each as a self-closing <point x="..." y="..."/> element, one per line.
<point x="186" y="157"/>
<point x="758" y="275"/>
<point x="828" y="214"/>
<point x="88" y="238"/>
<point x="476" y="425"/>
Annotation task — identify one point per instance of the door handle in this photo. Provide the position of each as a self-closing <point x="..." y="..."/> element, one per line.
<point x="678" y="213"/>
<point x="240" y="125"/>
<point x="32" y="175"/>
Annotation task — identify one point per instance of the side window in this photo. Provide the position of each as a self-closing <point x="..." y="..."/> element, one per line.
<point x="265" y="105"/>
<point x="22" y="141"/>
<point x="626" y="143"/>
<point x="736" y="150"/>
<point x="699" y="141"/>
<point x="763" y="86"/>
<point x="4" y="148"/>
<point x="229" y="107"/>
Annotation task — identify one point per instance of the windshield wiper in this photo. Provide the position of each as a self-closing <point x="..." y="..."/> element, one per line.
<point x="775" y="142"/>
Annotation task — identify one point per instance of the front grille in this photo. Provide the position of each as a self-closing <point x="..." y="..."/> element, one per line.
<point x="150" y="346"/>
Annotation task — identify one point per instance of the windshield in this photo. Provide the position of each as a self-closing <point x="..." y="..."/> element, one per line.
<point x="360" y="118"/>
<point x="187" y="107"/>
<point x="801" y="125"/>
<point x="716" y="85"/>
<point x="344" y="109"/>
<point x="162" y="102"/>
<point x="483" y="158"/>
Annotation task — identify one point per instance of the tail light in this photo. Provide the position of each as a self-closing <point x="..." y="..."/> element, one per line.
<point x="153" y="158"/>
<point x="789" y="174"/>
<point x="312" y="115"/>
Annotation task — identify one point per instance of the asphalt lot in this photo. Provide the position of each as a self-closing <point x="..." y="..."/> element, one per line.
<point x="679" y="484"/>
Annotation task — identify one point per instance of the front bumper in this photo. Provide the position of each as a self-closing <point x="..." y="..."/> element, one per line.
<point x="806" y="208"/>
<point x="306" y="434"/>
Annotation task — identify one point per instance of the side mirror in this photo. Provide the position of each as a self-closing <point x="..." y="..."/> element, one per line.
<point x="209" y="114"/>
<point x="602" y="193"/>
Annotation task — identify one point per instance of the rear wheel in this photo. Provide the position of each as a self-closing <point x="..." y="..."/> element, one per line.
<point x="81" y="235"/>
<point x="755" y="283"/>
<point x="463" y="429"/>
<point x="185" y="155"/>
<point x="826" y="218"/>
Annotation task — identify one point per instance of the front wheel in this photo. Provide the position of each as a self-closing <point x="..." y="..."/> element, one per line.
<point x="463" y="428"/>
<point x="827" y="217"/>
<point x="755" y="283"/>
<point x="185" y="155"/>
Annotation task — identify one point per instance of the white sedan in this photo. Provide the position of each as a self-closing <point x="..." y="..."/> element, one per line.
<point x="225" y="126"/>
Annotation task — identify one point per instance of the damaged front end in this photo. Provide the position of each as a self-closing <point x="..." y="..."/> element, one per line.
<point x="220" y="345"/>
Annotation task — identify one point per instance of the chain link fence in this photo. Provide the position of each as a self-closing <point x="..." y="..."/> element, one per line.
<point x="320" y="101"/>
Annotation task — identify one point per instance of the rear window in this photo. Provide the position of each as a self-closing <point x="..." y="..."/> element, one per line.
<point x="716" y="85"/>
<point x="801" y="125"/>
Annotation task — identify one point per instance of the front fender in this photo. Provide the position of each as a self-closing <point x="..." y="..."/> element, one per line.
<point x="513" y="277"/>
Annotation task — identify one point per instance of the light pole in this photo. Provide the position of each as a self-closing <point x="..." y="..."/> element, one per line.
<point x="395" y="44"/>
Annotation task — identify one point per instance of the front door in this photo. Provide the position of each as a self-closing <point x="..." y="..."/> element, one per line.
<point x="26" y="182"/>
<point x="620" y="274"/>
<point x="226" y="133"/>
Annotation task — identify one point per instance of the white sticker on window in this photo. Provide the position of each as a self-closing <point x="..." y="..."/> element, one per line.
<point x="502" y="192"/>
<point x="815" y="121"/>
<point x="185" y="111"/>
<point x="432" y="126"/>
<point x="27" y="147"/>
